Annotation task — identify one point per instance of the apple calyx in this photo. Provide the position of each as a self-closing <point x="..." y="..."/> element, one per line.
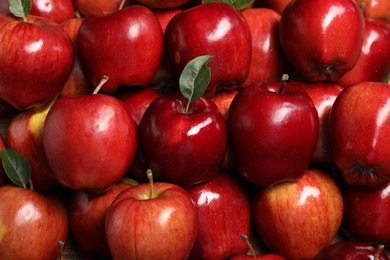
<point x="20" y="8"/>
<point x="379" y="251"/>
<point x="194" y="79"/>
<point x="103" y="81"/>
<point x="17" y="168"/>
<point x="249" y="244"/>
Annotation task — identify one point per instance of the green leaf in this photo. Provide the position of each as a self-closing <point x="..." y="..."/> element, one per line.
<point x="195" y="78"/>
<point x="238" y="4"/>
<point x="20" y="8"/>
<point x="16" y="166"/>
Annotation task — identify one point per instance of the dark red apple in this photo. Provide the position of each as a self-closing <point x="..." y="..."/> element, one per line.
<point x="374" y="61"/>
<point x="99" y="7"/>
<point x="223" y="209"/>
<point x="37" y="57"/>
<point x="166" y="4"/>
<point x="57" y="11"/>
<point x="298" y="219"/>
<point x="211" y="29"/>
<point x="151" y="221"/>
<point x="125" y="45"/>
<point x="322" y="39"/>
<point x="273" y="131"/>
<point x="87" y="214"/>
<point x="359" y="130"/>
<point x="32" y="224"/>
<point x="89" y="141"/>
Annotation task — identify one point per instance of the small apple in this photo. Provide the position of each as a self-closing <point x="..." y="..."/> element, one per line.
<point x="151" y="221"/>
<point x="298" y="219"/>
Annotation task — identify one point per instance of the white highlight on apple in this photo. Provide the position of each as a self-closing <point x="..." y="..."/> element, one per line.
<point x="27" y="213"/>
<point x="196" y="129"/>
<point x="220" y="31"/>
<point x="308" y="192"/>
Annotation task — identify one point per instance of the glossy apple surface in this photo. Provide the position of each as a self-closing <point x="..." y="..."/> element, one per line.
<point x="297" y="220"/>
<point x="31" y="224"/>
<point x="57" y="11"/>
<point x="98" y="7"/>
<point x="223" y="209"/>
<point x="47" y="55"/>
<point x="130" y="55"/>
<point x="89" y="141"/>
<point x="359" y="132"/>
<point x="321" y="39"/>
<point x="273" y="130"/>
<point x="161" y="225"/>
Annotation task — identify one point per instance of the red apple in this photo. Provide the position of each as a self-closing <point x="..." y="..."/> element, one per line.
<point x="268" y="61"/>
<point x="166" y="4"/>
<point x="359" y="130"/>
<point x="367" y="214"/>
<point x="151" y="221"/>
<point x="37" y="57"/>
<point x="377" y="9"/>
<point x="89" y="141"/>
<point x="322" y="39"/>
<point x="374" y="61"/>
<point x="345" y="250"/>
<point x="273" y="131"/>
<point x="164" y="16"/>
<point x="323" y="96"/>
<point x="125" y="45"/>
<point x="87" y="213"/>
<point x="24" y="135"/>
<point x="99" y="7"/>
<point x="57" y="11"/>
<point x="31" y="224"/>
<point x="297" y="220"/>
<point x="183" y="148"/>
<point x="211" y="29"/>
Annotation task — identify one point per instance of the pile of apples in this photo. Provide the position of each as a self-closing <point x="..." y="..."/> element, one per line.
<point x="186" y="129"/>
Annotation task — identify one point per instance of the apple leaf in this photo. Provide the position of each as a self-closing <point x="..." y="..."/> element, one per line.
<point x="238" y="4"/>
<point x="16" y="166"/>
<point x="20" y="8"/>
<point x="195" y="78"/>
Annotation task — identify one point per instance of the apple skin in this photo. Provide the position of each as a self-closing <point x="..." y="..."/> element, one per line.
<point x="98" y="7"/>
<point x="359" y="134"/>
<point x="323" y="96"/>
<point x="136" y="223"/>
<point x="223" y="209"/>
<point x="24" y="135"/>
<point x="268" y="61"/>
<point x="376" y="9"/>
<point x="165" y="127"/>
<point x="298" y="219"/>
<point x="374" y="61"/>
<point x="32" y="224"/>
<point x="345" y="250"/>
<point x="86" y="212"/>
<point x="215" y="27"/>
<point x="47" y="55"/>
<point x="89" y="141"/>
<point x="311" y="33"/>
<point x="281" y="128"/>
<point x="126" y="58"/>
<point x="166" y="4"/>
<point x="276" y="5"/>
<point x="367" y="214"/>
<point x="57" y="11"/>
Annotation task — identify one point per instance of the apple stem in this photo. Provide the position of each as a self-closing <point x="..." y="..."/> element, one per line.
<point x="101" y="83"/>
<point x="61" y="245"/>
<point x="30" y="184"/>
<point x="150" y="178"/>
<point x="285" y="78"/>
<point x="379" y="251"/>
<point x="122" y="4"/>
<point x="252" y="250"/>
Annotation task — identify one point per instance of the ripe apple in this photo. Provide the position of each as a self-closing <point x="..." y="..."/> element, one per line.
<point x="211" y="29"/>
<point x="37" y="58"/>
<point x="24" y="135"/>
<point x="377" y="9"/>
<point x="344" y="250"/>
<point x="89" y="141"/>
<point x="323" y="96"/>
<point x="322" y="39"/>
<point x="367" y="214"/>
<point x="359" y="130"/>
<point x="87" y="213"/>
<point x="268" y="62"/>
<point x="164" y="16"/>
<point x="298" y="219"/>
<point x="57" y="11"/>
<point x="183" y="148"/>
<point x="166" y="4"/>
<point x="125" y="45"/>
<point x="223" y="210"/>
<point x="374" y="61"/>
<point x="31" y="224"/>
<point x="151" y="221"/>
<point x="99" y="7"/>
<point x="273" y="131"/>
